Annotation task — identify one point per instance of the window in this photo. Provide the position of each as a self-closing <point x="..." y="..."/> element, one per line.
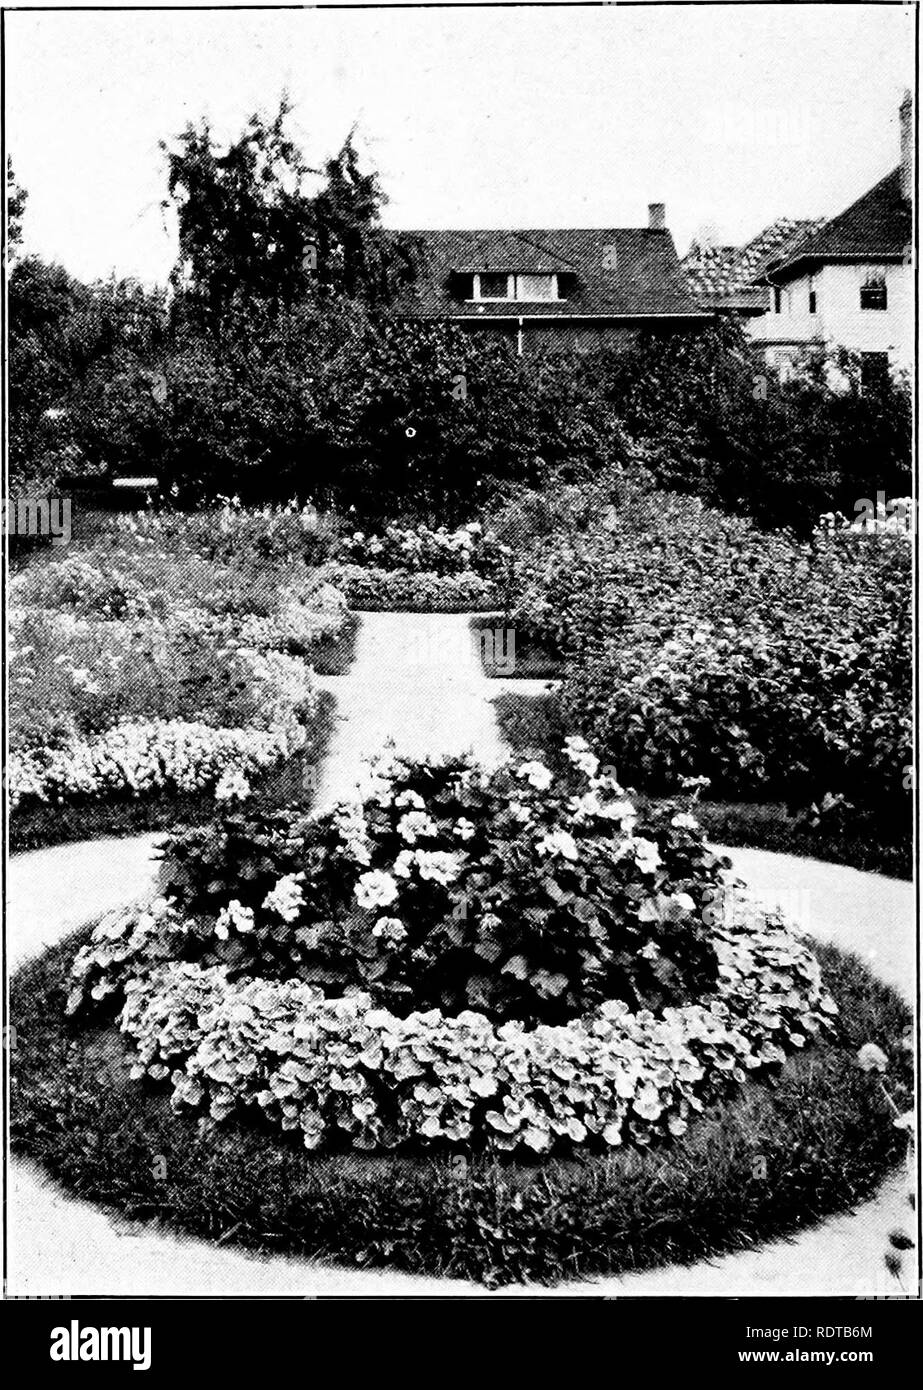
<point x="536" y="287"/>
<point x="776" y="299"/>
<point x="874" y="293"/>
<point x="492" y="285"/>
<point x="812" y="298"/>
<point x="496" y="284"/>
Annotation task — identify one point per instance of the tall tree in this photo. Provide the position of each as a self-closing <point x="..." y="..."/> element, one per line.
<point x="15" y="207"/>
<point x="252" y="237"/>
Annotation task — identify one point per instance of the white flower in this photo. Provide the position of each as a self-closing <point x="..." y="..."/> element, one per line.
<point x="464" y="829"/>
<point x="578" y="751"/>
<point x="438" y="865"/>
<point x="520" y="812"/>
<point x="416" y="825"/>
<point x="646" y="853"/>
<point x="412" y="799"/>
<point x="232" y="785"/>
<point x="392" y="929"/>
<point x="234" y="915"/>
<point x="537" y="774"/>
<point x="376" y="889"/>
<point x="404" y="863"/>
<point x="558" y="842"/>
<point x="683" y="821"/>
<point x="286" y="899"/>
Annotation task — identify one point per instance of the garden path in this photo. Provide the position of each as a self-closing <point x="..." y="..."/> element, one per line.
<point x="416" y="679"/>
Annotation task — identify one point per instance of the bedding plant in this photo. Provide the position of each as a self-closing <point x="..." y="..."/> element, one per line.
<point x="144" y="673"/>
<point x="495" y="957"/>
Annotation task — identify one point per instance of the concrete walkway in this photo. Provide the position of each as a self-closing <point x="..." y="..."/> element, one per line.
<point x="417" y="680"/>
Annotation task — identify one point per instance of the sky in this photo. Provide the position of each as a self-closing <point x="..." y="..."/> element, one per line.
<point x="474" y="117"/>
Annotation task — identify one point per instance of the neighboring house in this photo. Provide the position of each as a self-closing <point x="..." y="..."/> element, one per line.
<point x="571" y="289"/>
<point x="726" y="278"/>
<point x="846" y="282"/>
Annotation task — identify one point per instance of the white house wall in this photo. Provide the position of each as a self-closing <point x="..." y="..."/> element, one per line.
<point x="839" y="320"/>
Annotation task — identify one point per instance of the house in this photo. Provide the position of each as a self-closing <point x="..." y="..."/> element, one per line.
<point x="574" y="289"/>
<point x="725" y="279"/>
<point x="842" y="282"/>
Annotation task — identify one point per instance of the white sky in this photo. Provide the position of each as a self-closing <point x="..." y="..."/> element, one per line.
<point x="522" y="117"/>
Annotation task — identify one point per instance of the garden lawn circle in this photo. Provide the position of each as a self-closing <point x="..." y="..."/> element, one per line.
<point x="75" y="1248"/>
<point x="698" y="1199"/>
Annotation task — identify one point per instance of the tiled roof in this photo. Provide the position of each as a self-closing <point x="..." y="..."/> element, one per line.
<point x="646" y="277"/>
<point x="728" y="275"/>
<point x="878" y="226"/>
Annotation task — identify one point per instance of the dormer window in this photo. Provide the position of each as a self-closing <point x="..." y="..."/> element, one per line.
<point x="500" y="285"/>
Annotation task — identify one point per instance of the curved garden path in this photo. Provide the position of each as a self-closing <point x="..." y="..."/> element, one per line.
<point x="417" y="680"/>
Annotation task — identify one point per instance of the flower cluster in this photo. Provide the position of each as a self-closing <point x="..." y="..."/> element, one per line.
<point x="322" y="1066"/>
<point x="139" y="666"/>
<point x="144" y="757"/>
<point x="438" y="551"/>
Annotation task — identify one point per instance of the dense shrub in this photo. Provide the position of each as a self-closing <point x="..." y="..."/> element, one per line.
<point x="697" y="645"/>
<point x="328" y="405"/>
<point x="715" y="420"/>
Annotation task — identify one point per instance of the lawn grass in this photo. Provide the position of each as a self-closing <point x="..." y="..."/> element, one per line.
<point x="290" y="783"/>
<point x="532" y="725"/>
<point x="508" y="652"/>
<point x="782" y="1154"/>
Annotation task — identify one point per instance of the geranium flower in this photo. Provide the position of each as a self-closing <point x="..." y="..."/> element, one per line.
<point x="578" y="751"/>
<point x="464" y="829"/>
<point x="232" y="785"/>
<point x="234" y="915"/>
<point x="375" y="889"/>
<point x="439" y="866"/>
<point x="392" y="929"/>
<point x="871" y="1058"/>
<point x="683" y="821"/>
<point x="416" y="825"/>
<point x="286" y="899"/>
<point x="537" y="774"/>
<point x="412" y="799"/>
<point x="558" y="842"/>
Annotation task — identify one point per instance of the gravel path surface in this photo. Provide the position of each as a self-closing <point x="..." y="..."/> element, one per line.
<point x="416" y="680"/>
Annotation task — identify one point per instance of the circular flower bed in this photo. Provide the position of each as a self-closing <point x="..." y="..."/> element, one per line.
<point x="500" y="958"/>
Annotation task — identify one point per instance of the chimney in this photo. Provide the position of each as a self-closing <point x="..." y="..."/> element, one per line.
<point x="907" y="146"/>
<point x="657" y="217"/>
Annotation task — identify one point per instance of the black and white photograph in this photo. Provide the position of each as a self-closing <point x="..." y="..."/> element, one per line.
<point x="459" y="763"/>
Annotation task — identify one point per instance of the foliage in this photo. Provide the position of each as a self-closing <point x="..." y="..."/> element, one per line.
<point x="513" y="892"/>
<point x="275" y="244"/>
<point x="697" y="645"/>
<point x="412" y="591"/>
<point x="138" y="666"/>
<point x="419" y="548"/>
<point x="820" y="1135"/>
<point x="714" y="419"/>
